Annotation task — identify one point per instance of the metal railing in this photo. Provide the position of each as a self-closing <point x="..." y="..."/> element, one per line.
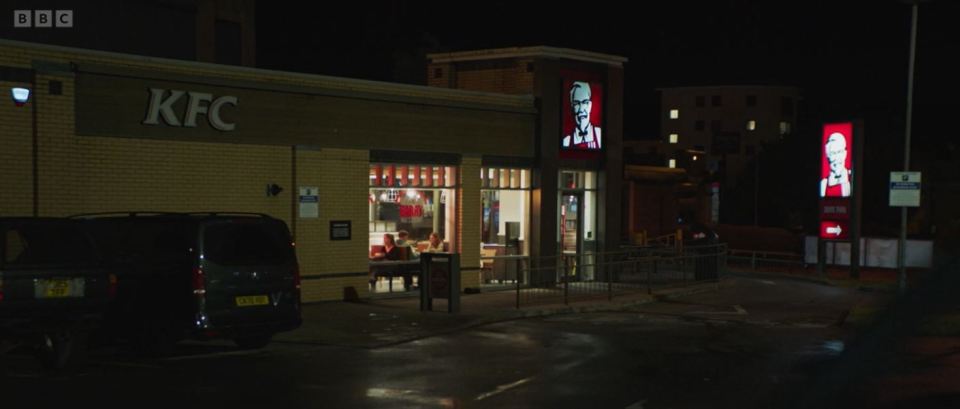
<point x="610" y="274"/>
<point x="755" y="258"/>
<point x="500" y="271"/>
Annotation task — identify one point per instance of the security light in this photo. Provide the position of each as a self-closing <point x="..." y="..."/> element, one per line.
<point x="20" y="95"/>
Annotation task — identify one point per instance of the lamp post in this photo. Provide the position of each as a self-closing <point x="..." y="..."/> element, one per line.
<point x="901" y="247"/>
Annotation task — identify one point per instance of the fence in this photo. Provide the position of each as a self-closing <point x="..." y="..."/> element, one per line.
<point x="608" y="275"/>
<point x="766" y="259"/>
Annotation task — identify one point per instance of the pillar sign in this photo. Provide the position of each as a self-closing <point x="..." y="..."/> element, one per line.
<point x="839" y="189"/>
<point x="836" y="187"/>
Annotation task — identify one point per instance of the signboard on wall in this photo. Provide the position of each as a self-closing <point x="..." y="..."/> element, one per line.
<point x="340" y="230"/>
<point x="583" y="111"/>
<point x="126" y="102"/>
<point x="309" y="200"/>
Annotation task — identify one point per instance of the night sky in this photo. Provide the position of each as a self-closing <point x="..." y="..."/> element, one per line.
<point x="848" y="57"/>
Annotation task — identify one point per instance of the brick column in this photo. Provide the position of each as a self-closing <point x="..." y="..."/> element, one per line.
<point x="330" y="266"/>
<point x="469" y="222"/>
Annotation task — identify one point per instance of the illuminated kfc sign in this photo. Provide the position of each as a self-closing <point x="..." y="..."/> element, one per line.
<point x="582" y="115"/>
<point x="838" y="196"/>
<point x="836" y="160"/>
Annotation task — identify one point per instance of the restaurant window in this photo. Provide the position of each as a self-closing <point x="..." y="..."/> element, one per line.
<point x="505" y="196"/>
<point x="418" y="199"/>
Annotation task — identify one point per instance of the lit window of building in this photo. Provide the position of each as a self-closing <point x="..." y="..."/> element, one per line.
<point x="674" y="113"/>
<point x="784" y="128"/>
<point x="751" y="125"/>
<point x="673" y="163"/>
<point x="674" y="138"/>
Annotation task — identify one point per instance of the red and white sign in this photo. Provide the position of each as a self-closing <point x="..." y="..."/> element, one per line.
<point x="834" y="229"/>
<point x="582" y="114"/>
<point x="834" y="209"/>
<point x="836" y="160"/>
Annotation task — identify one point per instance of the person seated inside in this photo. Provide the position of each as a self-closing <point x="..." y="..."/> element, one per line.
<point x="403" y="240"/>
<point x="390" y="252"/>
<point x="435" y="245"/>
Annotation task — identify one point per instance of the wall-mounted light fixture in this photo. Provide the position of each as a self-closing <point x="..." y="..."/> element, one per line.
<point x="273" y="189"/>
<point x="20" y="95"/>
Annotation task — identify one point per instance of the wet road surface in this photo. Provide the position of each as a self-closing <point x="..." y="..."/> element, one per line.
<point x="750" y="344"/>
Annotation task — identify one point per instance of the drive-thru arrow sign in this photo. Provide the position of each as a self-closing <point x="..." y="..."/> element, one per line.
<point x="834" y="230"/>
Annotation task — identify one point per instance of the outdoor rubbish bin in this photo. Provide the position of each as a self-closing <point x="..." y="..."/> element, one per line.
<point x="440" y="278"/>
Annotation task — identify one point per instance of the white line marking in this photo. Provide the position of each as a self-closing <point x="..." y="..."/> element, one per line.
<point x="128" y="365"/>
<point x="637" y="405"/>
<point x="213" y="355"/>
<point x="411" y="396"/>
<point x="23" y="375"/>
<point x="738" y="310"/>
<point x="503" y="388"/>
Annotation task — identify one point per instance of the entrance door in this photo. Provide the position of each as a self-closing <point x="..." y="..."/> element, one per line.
<point x="571" y="228"/>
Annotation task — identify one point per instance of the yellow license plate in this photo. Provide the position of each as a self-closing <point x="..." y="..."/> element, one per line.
<point x="57" y="288"/>
<point x="253" y="300"/>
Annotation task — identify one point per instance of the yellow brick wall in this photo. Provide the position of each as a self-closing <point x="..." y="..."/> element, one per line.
<point x="469" y="222"/>
<point x="510" y="80"/>
<point x="342" y="178"/>
<point x="446" y="71"/>
<point x="16" y="147"/>
<point x="79" y="174"/>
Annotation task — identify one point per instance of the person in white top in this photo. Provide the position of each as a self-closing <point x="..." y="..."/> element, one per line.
<point x="585" y="135"/>
<point x="435" y="245"/>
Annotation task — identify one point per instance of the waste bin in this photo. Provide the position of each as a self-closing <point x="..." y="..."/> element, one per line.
<point x="440" y="278"/>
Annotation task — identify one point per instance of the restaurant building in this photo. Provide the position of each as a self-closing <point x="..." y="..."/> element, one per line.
<point x="341" y="161"/>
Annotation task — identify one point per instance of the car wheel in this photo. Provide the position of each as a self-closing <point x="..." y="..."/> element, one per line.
<point x="58" y="348"/>
<point x="253" y="341"/>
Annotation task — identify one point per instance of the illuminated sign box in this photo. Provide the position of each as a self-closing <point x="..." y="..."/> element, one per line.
<point x="834" y="229"/>
<point x="836" y="160"/>
<point x="582" y="115"/>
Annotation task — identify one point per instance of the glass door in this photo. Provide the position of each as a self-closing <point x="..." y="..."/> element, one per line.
<point x="571" y="238"/>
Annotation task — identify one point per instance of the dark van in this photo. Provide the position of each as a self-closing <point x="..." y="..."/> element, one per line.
<point x="53" y="287"/>
<point x="199" y="276"/>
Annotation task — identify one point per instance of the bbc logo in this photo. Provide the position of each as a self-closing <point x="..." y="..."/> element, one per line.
<point x="42" y="18"/>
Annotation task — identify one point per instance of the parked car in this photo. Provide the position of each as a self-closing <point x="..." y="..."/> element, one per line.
<point x="699" y="234"/>
<point x="199" y="276"/>
<point x="53" y="287"/>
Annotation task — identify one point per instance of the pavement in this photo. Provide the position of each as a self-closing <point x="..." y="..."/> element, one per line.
<point x="906" y="351"/>
<point x="380" y="322"/>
